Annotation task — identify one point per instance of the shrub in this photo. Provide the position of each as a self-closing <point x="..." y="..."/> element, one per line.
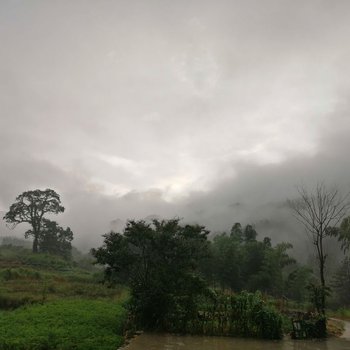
<point x="244" y="315"/>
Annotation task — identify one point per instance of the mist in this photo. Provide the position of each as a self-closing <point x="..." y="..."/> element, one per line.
<point x="208" y="112"/>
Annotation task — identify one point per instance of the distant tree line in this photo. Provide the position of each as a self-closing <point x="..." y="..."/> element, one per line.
<point x="171" y="268"/>
<point x="238" y="261"/>
<point x="174" y="271"/>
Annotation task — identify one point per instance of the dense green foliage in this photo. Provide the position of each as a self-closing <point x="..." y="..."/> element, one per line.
<point x="63" y="325"/>
<point x="341" y="279"/>
<point x="159" y="262"/>
<point x="238" y="261"/>
<point x="244" y="315"/>
<point x="342" y="233"/>
<point x="55" y="239"/>
<point x="31" y="207"/>
<point x="341" y="283"/>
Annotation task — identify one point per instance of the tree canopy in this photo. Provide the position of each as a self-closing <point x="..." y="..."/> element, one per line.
<point x="31" y="207"/>
<point x="239" y="261"/>
<point x="56" y="240"/>
<point x="159" y="262"/>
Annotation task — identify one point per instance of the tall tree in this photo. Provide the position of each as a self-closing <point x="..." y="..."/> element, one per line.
<point x="249" y="233"/>
<point x="237" y="232"/>
<point x="319" y="211"/>
<point x="226" y="261"/>
<point x="159" y="262"/>
<point x="31" y="207"/>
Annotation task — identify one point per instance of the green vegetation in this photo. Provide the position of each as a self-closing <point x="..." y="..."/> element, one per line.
<point x="65" y="325"/>
<point x="31" y="207"/>
<point x="238" y="261"/>
<point x="239" y="315"/>
<point x="160" y="262"/>
<point x="182" y="282"/>
<point x="58" y="303"/>
<point x="342" y="313"/>
<point x="54" y="239"/>
<point x="178" y="280"/>
<point x="27" y="278"/>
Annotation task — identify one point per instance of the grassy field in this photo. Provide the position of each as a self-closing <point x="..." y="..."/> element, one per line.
<point x="49" y="303"/>
<point x="27" y="278"/>
<point x="63" y="324"/>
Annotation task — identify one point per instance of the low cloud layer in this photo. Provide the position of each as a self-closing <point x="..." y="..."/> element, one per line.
<point x="210" y="112"/>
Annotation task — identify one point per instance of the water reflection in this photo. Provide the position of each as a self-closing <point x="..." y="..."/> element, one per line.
<point x="306" y="345"/>
<point x="173" y="342"/>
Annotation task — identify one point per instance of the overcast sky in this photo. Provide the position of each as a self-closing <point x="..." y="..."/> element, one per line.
<point x="208" y="110"/>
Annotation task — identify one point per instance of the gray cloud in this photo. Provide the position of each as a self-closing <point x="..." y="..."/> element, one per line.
<point x="207" y="111"/>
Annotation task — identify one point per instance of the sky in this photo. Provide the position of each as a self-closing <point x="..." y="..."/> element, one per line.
<point x="211" y="111"/>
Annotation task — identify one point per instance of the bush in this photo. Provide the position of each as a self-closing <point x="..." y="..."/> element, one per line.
<point x="243" y="315"/>
<point x="254" y="317"/>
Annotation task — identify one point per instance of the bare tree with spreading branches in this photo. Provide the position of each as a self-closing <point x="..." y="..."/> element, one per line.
<point x="320" y="211"/>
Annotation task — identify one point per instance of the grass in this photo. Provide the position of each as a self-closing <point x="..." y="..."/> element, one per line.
<point x="341" y="313"/>
<point x="42" y="286"/>
<point x="27" y="278"/>
<point x="63" y="325"/>
<point x="49" y="303"/>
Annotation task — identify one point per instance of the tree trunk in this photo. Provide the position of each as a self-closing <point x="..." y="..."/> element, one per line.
<point x="322" y="259"/>
<point x="35" y="244"/>
<point x="323" y="285"/>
